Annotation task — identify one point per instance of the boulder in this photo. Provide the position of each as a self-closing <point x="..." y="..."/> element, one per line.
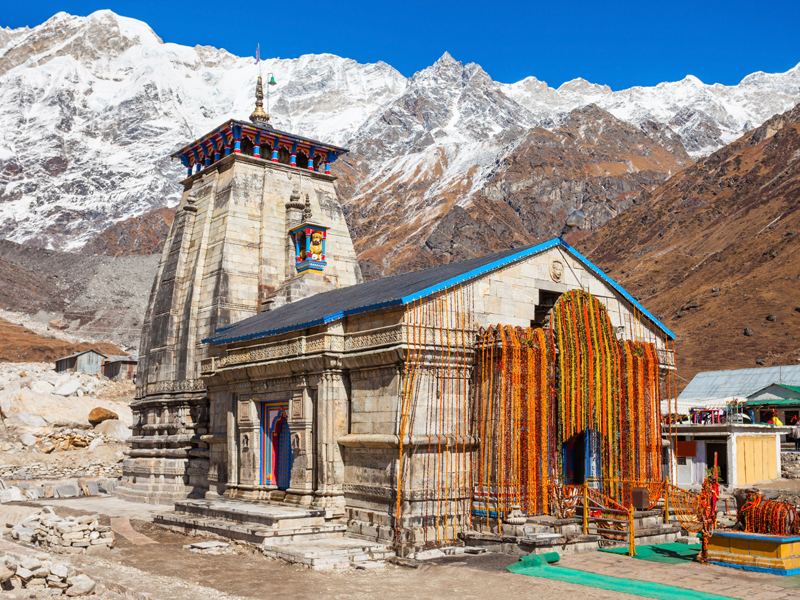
<point x="7" y="572"/>
<point x="31" y="420"/>
<point x="95" y="443"/>
<point x="59" y="570"/>
<point x="80" y="585"/>
<point x="68" y="388"/>
<point x="28" y="439"/>
<point x="114" y="429"/>
<point x="59" y="324"/>
<point x="100" y="414"/>
<point x="42" y="387"/>
<point x="31" y="563"/>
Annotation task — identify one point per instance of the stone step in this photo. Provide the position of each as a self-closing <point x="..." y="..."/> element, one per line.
<point x="262" y="514"/>
<point x="248" y="532"/>
<point x="330" y="553"/>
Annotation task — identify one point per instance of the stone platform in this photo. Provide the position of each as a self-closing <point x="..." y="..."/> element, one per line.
<point x="533" y="543"/>
<point x="252" y="522"/>
<point x="327" y="554"/>
<point x="550" y="534"/>
<point x="304" y="536"/>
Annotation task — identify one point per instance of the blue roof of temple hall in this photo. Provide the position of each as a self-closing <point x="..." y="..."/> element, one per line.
<point x="398" y="290"/>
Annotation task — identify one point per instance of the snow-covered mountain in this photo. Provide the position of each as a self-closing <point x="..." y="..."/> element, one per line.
<point x="91" y="108"/>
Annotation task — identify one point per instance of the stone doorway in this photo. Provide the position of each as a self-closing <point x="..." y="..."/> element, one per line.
<point x="276" y="448"/>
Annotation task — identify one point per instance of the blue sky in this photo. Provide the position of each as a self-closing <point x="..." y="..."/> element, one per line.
<point x="620" y="44"/>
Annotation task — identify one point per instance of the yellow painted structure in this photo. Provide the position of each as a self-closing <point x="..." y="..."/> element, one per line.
<point x="756" y="459"/>
<point x="755" y="552"/>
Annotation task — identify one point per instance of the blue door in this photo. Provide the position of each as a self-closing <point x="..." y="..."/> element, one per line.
<point x="284" y="455"/>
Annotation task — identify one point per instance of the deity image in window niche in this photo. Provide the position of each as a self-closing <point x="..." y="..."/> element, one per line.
<point x="310" y="247"/>
<point x="315" y="248"/>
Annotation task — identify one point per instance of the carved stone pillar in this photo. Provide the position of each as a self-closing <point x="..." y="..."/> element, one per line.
<point x="249" y="443"/>
<point x="331" y="424"/>
<point x="301" y="411"/>
<point x="220" y="405"/>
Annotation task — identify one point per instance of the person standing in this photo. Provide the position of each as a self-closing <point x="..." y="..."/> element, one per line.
<point x="796" y="434"/>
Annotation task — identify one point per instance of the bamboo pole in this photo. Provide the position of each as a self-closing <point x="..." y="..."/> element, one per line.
<point x="585" y="509"/>
<point x="631" y="534"/>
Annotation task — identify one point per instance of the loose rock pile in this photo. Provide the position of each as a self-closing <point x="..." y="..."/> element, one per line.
<point x="45" y="471"/>
<point x="39" y="572"/>
<point x="70" y="535"/>
<point x="70" y="439"/>
<point x="790" y="465"/>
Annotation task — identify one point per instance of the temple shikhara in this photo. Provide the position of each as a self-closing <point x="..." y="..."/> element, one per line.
<point x="281" y="399"/>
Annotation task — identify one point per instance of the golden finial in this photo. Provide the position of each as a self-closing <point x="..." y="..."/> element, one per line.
<point x="259" y="116"/>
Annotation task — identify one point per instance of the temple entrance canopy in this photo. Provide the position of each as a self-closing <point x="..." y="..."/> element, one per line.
<point x="566" y="405"/>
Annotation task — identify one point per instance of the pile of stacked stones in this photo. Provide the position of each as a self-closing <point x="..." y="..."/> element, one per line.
<point x="39" y="572"/>
<point x="71" y="439"/>
<point x="44" y="471"/>
<point x="790" y="465"/>
<point x="21" y="490"/>
<point x="70" y="535"/>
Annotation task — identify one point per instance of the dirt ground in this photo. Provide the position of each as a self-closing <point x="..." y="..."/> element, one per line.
<point x="788" y="485"/>
<point x="165" y="569"/>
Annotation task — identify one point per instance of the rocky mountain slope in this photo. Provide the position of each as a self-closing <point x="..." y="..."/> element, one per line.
<point x="530" y="180"/>
<point x="20" y="344"/>
<point x="101" y="298"/>
<point x="91" y="107"/>
<point x="138" y="235"/>
<point x="713" y="252"/>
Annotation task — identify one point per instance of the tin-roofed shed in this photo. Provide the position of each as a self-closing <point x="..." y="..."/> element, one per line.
<point x="739" y="382"/>
<point x="88" y="361"/>
<point x="120" y="367"/>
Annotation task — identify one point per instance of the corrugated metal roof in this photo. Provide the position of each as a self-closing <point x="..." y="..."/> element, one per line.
<point x="739" y="382"/>
<point x="779" y="402"/>
<point x="791" y="388"/>
<point x="399" y="290"/>
<point x="79" y="353"/>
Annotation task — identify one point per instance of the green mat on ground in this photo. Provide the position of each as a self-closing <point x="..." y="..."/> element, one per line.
<point x="663" y="553"/>
<point x="536" y="566"/>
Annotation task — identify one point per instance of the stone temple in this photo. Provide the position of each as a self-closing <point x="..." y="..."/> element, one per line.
<point x="282" y="399"/>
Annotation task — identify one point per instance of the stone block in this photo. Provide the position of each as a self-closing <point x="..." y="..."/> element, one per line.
<point x="67" y="490"/>
<point x="11" y="495"/>
<point x="493" y="305"/>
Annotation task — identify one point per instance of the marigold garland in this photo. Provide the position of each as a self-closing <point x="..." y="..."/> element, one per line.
<point x="761" y="515"/>
<point x="535" y="391"/>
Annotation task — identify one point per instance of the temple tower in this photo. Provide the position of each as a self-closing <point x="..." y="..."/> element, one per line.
<point x="259" y="225"/>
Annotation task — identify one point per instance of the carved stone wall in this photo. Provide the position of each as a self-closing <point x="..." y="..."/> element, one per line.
<point x="225" y="253"/>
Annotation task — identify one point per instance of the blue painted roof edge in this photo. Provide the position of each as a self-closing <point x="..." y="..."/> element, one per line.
<point x="597" y="271"/>
<point x="455" y="281"/>
<point x="492" y="266"/>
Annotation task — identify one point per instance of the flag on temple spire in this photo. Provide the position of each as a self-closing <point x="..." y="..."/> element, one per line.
<point x="258" y="53"/>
